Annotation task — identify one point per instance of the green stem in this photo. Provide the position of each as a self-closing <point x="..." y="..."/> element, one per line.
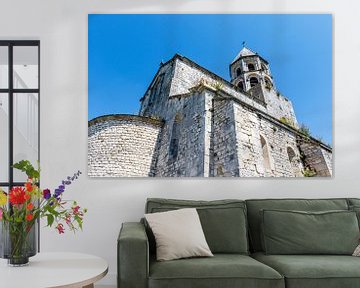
<point x="18" y="238"/>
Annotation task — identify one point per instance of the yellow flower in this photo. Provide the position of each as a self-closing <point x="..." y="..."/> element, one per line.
<point x="3" y="198"/>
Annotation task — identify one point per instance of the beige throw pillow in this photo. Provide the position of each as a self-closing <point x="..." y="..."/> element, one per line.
<point x="178" y="234"/>
<point x="357" y="251"/>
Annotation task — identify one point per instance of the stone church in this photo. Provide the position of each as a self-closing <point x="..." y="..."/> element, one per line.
<point x="194" y="123"/>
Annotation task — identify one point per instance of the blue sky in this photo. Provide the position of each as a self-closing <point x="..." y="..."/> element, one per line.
<point x="125" y="52"/>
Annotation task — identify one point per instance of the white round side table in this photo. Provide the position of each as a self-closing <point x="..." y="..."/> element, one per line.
<point x="50" y="270"/>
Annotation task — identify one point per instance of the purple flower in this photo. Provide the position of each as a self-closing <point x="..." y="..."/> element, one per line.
<point x="64" y="183"/>
<point x="58" y="192"/>
<point x="46" y="194"/>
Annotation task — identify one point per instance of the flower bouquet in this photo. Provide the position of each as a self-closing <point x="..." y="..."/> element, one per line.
<point x="21" y="208"/>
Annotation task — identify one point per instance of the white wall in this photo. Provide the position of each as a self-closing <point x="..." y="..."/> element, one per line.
<point x="61" y="25"/>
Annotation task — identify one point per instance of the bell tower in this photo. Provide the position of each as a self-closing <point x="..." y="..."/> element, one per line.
<point x="250" y="73"/>
<point x="249" y="70"/>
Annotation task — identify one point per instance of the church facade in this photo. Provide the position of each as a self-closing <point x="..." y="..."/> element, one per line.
<point x="194" y="123"/>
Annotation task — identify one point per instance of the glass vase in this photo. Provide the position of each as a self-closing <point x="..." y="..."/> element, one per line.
<point x="18" y="242"/>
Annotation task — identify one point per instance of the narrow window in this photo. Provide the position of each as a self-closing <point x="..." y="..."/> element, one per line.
<point x="238" y="72"/>
<point x="174" y="140"/>
<point x="265" y="154"/>
<point x="293" y="162"/>
<point x="251" y="67"/>
<point x="291" y="154"/>
<point x="174" y="147"/>
<point x="241" y="85"/>
<point x="267" y="83"/>
<point x="253" y="81"/>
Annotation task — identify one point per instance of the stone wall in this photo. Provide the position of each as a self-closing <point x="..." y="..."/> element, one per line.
<point x="224" y="154"/>
<point x="328" y="159"/>
<point x="187" y="113"/>
<point x="279" y="106"/>
<point x="187" y="76"/>
<point x="267" y="156"/>
<point x="282" y="145"/>
<point x="154" y="102"/>
<point x="122" y="146"/>
<point x="317" y="158"/>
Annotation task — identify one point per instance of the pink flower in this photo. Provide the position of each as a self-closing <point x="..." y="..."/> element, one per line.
<point x="68" y="219"/>
<point x="1" y="212"/>
<point x="60" y="228"/>
<point x="76" y="210"/>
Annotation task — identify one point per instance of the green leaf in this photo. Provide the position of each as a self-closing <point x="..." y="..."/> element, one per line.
<point x="26" y="167"/>
<point x="51" y="210"/>
<point x="79" y="221"/>
<point x="50" y="219"/>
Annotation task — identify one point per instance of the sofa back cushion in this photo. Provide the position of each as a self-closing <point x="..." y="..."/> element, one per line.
<point x="223" y="221"/>
<point x="354" y="205"/>
<point x="353" y="201"/>
<point x="255" y="206"/>
<point x="298" y="232"/>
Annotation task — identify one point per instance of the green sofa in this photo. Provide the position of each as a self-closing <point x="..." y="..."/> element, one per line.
<point x="234" y="232"/>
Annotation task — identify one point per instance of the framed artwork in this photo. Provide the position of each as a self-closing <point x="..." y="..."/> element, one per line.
<point x="233" y="95"/>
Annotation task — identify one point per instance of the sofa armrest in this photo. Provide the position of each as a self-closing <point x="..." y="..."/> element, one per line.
<point x="133" y="256"/>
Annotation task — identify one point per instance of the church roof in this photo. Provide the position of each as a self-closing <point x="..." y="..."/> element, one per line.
<point x="244" y="52"/>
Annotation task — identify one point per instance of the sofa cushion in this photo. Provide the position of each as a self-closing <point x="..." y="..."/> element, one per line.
<point x="223" y="221"/>
<point x="255" y="206"/>
<point x="297" y="232"/>
<point x="313" y="271"/>
<point x="222" y="270"/>
<point x="353" y="201"/>
<point x="356" y="209"/>
<point x="178" y="234"/>
<point x="354" y="205"/>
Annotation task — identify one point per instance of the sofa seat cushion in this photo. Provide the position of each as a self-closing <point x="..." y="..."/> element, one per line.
<point x="313" y="271"/>
<point x="222" y="270"/>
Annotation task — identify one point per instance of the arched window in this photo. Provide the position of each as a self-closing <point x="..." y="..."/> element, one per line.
<point x="291" y="154"/>
<point x="253" y="81"/>
<point x="265" y="154"/>
<point x="174" y="140"/>
<point x="238" y="72"/>
<point x="241" y="85"/>
<point x="293" y="162"/>
<point x="251" y="67"/>
<point x="268" y="84"/>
